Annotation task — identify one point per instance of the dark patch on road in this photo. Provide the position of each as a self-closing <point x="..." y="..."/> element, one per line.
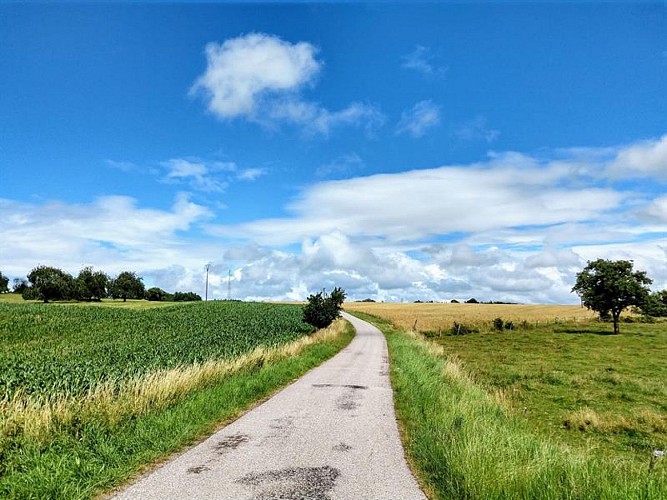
<point x="281" y="429"/>
<point x="297" y="483"/>
<point x="231" y="442"/>
<point x="347" y="386"/>
<point x="342" y="447"/>
<point x="198" y="469"/>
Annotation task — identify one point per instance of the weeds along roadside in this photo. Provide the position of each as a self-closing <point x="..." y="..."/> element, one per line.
<point x="75" y="447"/>
<point x="463" y="442"/>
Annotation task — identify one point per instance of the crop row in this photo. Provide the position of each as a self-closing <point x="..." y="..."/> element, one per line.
<point x="60" y="349"/>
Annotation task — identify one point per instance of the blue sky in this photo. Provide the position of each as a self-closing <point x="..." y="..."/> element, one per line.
<point x="401" y="151"/>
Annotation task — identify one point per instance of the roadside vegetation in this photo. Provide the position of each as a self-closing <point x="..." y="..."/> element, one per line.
<point x="554" y="412"/>
<point x="91" y="394"/>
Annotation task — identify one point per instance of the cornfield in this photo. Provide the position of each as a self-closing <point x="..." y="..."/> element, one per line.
<point x="65" y="350"/>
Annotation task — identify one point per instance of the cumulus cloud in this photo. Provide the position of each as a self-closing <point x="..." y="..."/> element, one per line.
<point x="515" y="227"/>
<point x="422" y="60"/>
<point x="111" y="232"/>
<point x="242" y="71"/>
<point x="645" y="159"/>
<point x="260" y="77"/>
<point x="418" y="119"/>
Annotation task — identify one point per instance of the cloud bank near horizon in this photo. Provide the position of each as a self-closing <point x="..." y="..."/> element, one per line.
<point x="514" y="227"/>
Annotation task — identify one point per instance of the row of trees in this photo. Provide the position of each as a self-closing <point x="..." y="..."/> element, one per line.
<point x="50" y="283"/>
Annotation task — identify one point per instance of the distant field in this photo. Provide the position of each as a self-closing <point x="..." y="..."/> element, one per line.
<point x="440" y="317"/>
<point x="14" y="298"/>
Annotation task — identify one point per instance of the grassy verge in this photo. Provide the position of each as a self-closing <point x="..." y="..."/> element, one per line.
<point x="465" y="442"/>
<point x="88" y="454"/>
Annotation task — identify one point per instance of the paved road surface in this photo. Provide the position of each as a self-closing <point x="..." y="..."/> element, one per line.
<point x="330" y="435"/>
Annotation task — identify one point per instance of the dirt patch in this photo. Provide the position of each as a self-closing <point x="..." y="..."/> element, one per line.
<point x="347" y="386"/>
<point x="296" y="483"/>
<point x="231" y="443"/>
<point x="342" y="447"/>
<point x="198" y="469"/>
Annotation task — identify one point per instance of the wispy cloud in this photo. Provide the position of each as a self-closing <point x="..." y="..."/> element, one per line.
<point x="251" y="174"/>
<point x="199" y="175"/>
<point x="344" y="164"/>
<point x="477" y="129"/>
<point x="418" y="119"/>
<point x="260" y="77"/>
<point x="422" y="60"/>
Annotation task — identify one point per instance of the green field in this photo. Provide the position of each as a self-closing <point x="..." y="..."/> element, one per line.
<point x="55" y="349"/>
<point x="605" y="394"/>
<point x="92" y="394"/>
<point x="564" y="411"/>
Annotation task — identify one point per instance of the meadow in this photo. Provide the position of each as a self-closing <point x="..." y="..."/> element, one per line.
<point x="92" y="394"/>
<point x="551" y="409"/>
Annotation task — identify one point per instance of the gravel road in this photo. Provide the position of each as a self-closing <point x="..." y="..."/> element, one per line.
<point x="330" y="435"/>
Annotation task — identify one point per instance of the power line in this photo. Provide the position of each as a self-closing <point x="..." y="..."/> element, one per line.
<point x="208" y="266"/>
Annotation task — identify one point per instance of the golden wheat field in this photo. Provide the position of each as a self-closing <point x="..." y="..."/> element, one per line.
<point x="440" y="317"/>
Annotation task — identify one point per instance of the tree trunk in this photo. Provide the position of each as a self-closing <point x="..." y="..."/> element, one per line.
<point x="616" y="316"/>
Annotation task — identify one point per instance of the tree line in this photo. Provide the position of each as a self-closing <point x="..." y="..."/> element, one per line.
<point x="50" y="283"/>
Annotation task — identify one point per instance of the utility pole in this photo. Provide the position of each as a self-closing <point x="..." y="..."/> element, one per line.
<point x="229" y="285"/>
<point x="208" y="266"/>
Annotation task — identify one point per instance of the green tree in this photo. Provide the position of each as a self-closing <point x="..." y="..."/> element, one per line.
<point x="19" y="285"/>
<point x="127" y="285"/>
<point x="323" y="309"/>
<point x="50" y="283"/>
<point x="186" y="297"/>
<point x="156" y="294"/>
<point x="655" y="305"/>
<point x="91" y="285"/>
<point x="4" y="283"/>
<point x="608" y="287"/>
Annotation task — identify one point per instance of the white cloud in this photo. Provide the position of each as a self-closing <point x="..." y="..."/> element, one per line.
<point x="315" y="119"/>
<point x="208" y="176"/>
<point x="251" y="174"/>
<point x="198" y="174"/>
<point x="344" y="164"/>
<point x="260" y="77"/>
<point x="422" y="203"/>
<point x="418" y="119"/>
<point x="242" y="71"/>
<point x="421" y="60"/>
<point x="515" y="228"/>
<point x="645" y="159"/>
<point x="113" y="232"/>
<point x="657" y="211"/>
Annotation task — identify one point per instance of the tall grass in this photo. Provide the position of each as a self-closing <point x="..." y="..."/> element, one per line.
<point x="465" y="443"/>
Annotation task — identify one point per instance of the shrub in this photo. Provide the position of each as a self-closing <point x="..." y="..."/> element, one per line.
<point x="498" y="324"/>
<point x="323" y="309"/>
